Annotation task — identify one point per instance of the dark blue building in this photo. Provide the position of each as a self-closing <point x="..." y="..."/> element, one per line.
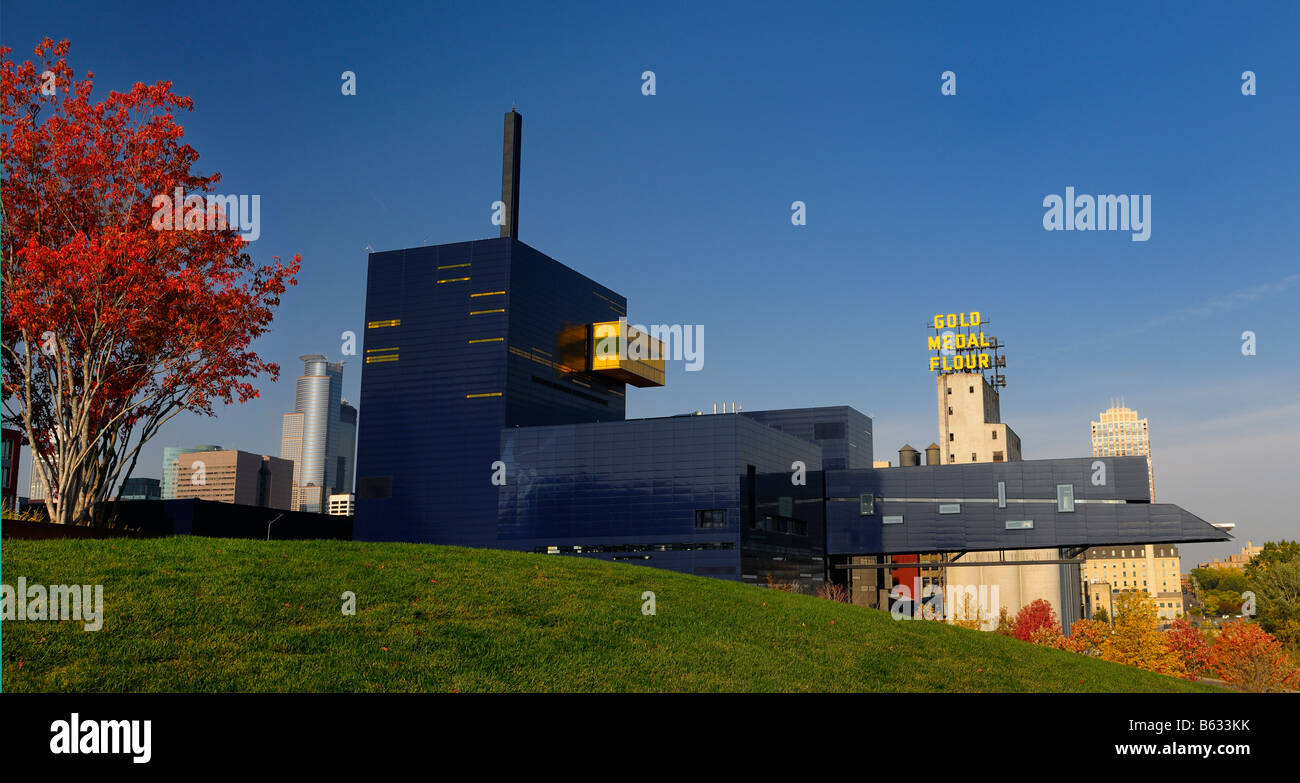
<point x="489" y="422"/>
<point x="462" y="341"/>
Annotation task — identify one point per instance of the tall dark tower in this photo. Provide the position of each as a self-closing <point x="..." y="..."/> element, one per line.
<point x="510" y="173"/>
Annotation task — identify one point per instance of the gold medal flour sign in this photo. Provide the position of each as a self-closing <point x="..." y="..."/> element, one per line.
<point x="959" y="344"/>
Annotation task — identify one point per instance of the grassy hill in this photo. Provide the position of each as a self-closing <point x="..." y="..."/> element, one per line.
<point x="204" y="614"/>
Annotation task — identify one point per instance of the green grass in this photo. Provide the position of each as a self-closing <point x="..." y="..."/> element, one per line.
<point x="205" y="614"/>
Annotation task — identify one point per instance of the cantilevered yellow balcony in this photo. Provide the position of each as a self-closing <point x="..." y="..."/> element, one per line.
<point x="627" y="353"/>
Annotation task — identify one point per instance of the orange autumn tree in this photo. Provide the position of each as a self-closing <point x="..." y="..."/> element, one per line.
<point x="1088" y="636"/>
<point x="1136" y="640"/>
<point x="1248" y="658"/>
<point x="111" y="327"/>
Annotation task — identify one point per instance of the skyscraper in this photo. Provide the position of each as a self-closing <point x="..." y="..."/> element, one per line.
<point x="310" y="436"/>
<point x="1120" y="433"/>
<point x="347" y="451"/>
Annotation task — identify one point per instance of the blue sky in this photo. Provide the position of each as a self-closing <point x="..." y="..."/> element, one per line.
<point x="917" y="203"/>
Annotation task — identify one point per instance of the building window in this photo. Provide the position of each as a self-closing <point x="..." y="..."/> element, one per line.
<point x="949" y="410"/>
<point x="892" y="520"/>
<point x="973" y="457"/>
<point x="949" y="390"/>
<point x="997" y="457"/>
<point x="710" y="518"/>
<point x="952" y="457"/>
<point x="972" y="390"/>
<point x="1002" y="494"/>
<point x="1065" y="497"/>
<point x="995" y="434"/>
<point x="951" y="437"/>
<point x="867" y="504"/>
<point x="949" y="508"/>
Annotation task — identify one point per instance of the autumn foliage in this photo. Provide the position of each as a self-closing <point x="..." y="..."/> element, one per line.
<point x="1033" y="616"/>
<point x="1246" y="657"/>
<point x="1191" y="647"/>
<point x="110" y="327"/>
<point x="1136" y="639"/>
<point x="1087" y="637"/>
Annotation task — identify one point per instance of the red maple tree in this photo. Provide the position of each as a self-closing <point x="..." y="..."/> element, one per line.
<point x="110" y="326"/>
<point x="1033" y="616"/>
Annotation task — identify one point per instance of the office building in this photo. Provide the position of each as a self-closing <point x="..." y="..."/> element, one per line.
<point x="1120" y="433"/>
<point x="346" y="455"/>
<point x="140" y="489"/>
<point x="170" y="456"/>
<point x="235" y="477"/>
<point x="342" y="504"/>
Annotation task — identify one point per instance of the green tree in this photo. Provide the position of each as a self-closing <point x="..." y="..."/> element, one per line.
<point x="1101" y="615"/>
<point x="1277" y="596"/>
<point x="1273" y="553"/>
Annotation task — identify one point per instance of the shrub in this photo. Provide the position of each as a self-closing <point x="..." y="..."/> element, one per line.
<point x="1006" y="626"/>
<point x="785" y="587"/>
<point x="833" y="592"/>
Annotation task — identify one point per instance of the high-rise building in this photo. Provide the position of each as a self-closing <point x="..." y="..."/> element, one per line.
<point x="1120" y="433"/>
<point x="347" y="450"/>
<point x="235" y="477"/>
<point x="310" y="437"/>
<point x="170" y="455"/>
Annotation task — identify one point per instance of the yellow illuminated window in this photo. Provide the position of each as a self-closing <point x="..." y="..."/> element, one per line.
<point x="485" y="394"/>
<point x="452" y="266"/>
<point x="488" y="293"/>
<point x="487" y="340"/>
<point x="453" y="280"/>
<point x="380" y="324"/>
<point x="482" y="312"/>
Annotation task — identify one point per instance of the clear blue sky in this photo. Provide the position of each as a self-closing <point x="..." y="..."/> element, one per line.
<point x="917" y="203"/>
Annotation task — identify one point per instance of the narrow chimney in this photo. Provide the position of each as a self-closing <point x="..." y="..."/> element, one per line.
<point x="510" y="173"/>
